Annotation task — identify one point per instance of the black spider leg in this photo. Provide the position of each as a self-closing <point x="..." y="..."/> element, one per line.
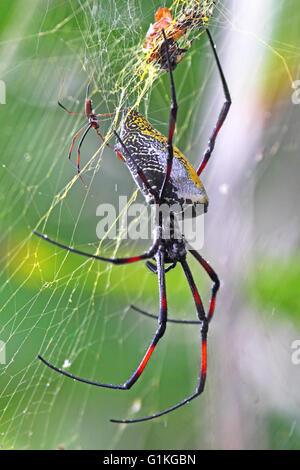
<point x="151" y="266"/>
<point x="119" y="261"/>
<point x="80" y="144"/>
<point x="202" y="376"/>
<point x="216" y="282"/>
<point x="170" y="320"/>
<point x="223" y="113"/>
<point x="90" y="126"/>
<point x="68" y="111"/>
<point x="172" y="122"/>
<point x="74" y="139"/>
<point x="74" y="114"/>
<point x="214" y="290"/>
<point x="158" y="335"/>
<point x="86" y="95"/>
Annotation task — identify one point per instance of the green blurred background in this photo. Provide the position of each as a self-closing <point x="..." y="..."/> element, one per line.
<point x="76" y="310"/>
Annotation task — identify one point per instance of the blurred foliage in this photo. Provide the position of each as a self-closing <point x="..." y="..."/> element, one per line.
<point x="282" y="435"/>
<point x="274" y="285"/>
<point x="284" y="32"/>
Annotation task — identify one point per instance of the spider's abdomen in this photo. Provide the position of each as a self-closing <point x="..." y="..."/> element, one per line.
<point x="148" y="149"/>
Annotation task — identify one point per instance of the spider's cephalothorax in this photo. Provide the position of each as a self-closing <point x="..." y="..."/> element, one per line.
<point x="148" y="150"/>
<point x="175" y="250"/>
<point x="166" y="178"/>
<point x="91" y="115"/>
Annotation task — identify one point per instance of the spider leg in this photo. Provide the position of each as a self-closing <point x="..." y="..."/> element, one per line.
<point x="162" y="321"/>
<point x="202" y="377"/>
<point x="157" y="415"/>
<point x="101" y="137"/>
<point x="204" y="329"/>
<point x="96" y="115"/>
<point x="214" y="277"/>
<point x="153" y="268"/>
<point x="172" y="122"/>
<point x="118" y="261"/>
<point x="194" y="290"/>
<point x="172" y="266"/>
<point x="62" y="106"/>
<point x="159" y="333"/>
<point x="170" y="320"/>
<point x="68" y="111"/>
<point x="212" y="274"/>
<point x="88" y="85"/>
<point x="103" y="115"/>
<point x="79" y="379"/>
<point x="73" y="140"/>
<point x="80" y="144"/>
<point x="223" y="113"/>
<point x="71" y="148"/>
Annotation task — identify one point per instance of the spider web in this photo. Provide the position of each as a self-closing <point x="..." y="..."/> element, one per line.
<point x="72" y="310"/>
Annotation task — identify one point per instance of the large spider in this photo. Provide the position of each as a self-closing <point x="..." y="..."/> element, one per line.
<point x="164" y="176"/>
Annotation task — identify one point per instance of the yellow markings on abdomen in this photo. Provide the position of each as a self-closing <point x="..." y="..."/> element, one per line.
<point x="136" y="122"/>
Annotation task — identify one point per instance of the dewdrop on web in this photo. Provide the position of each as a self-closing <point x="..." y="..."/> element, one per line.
<point x="66" y="364"/>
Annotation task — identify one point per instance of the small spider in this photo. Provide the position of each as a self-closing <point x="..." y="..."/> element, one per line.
<point x="164" y="176"/>
<point x="93" y="123"/>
